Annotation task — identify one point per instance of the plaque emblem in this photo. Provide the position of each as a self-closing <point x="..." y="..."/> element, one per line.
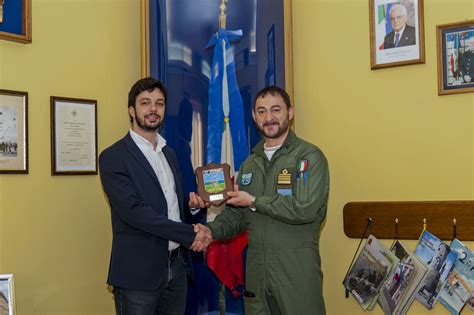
<point x="213" y="180"/>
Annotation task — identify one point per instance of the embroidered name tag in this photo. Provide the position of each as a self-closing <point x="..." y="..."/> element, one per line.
<point x="285" y="191"/>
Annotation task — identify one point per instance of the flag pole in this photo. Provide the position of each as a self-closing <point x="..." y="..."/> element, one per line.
<point x="222" y="25"/>
<point x="223" y="16"/>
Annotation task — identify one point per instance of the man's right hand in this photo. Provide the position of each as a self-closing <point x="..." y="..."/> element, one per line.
<point x="467" y="78"/>
<point x="203" y="238"/>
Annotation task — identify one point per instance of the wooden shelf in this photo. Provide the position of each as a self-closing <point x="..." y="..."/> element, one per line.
<point x="439" y="217"/>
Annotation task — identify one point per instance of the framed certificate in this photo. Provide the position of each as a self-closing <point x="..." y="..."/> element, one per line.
<point x="213" y="183"/>
<point x="73" y="136"/>
<point x="13" y="132"/>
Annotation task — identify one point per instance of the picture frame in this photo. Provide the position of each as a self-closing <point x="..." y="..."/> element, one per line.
<point x="455" y="52"/>
<point x="7" y="294"/>
<point x="386" y="17"/>
<point x="15" y="17"/>
<point x="73" y="136"/>
<point x="13" y="132"/>
<point x="147" y="16"/>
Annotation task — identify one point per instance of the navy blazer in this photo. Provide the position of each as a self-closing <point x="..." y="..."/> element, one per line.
<point x="140" y="225"/>
<point x="408" y="38"/>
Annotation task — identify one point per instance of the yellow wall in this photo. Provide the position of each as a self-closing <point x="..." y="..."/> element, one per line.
<point x="55" y="231"/>
<point x="380" y="146"/>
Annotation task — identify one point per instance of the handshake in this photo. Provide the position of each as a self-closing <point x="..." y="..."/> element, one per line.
<point x="203" y="238"/>
<point x="203" y="233"/>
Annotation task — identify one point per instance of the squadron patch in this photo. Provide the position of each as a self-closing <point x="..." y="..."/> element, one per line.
<point x="246" y="179"/>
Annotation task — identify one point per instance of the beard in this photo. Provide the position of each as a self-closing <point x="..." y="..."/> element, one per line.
<point x="282" y="128"/>
<point x="149" y="126"/>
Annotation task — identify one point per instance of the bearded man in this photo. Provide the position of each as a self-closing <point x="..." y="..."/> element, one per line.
<point x="150" y="261"/>
<point x="281" y="200"/>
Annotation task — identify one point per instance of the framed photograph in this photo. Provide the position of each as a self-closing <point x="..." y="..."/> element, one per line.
<point x="7" y="296"/>
<point x="397" y="36"/>
<point x="73" y="136"/>
<point x="13" y="132"/>
<point x="455" y="46"/>
<point x="15" y="20"/>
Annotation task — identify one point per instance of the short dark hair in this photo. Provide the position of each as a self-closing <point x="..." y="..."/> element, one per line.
<point x="273" y="90"/>
<point x="145" y="84"/>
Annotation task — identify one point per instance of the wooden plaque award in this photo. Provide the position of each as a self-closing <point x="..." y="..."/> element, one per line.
<point x="213" y="183"/>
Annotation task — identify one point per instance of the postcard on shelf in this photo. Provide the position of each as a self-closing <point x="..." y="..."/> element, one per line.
<point x="440" y="259"/>
<point x="399" y="291"/>
<point x="371" y="269"/>
<point x="457" y="289"/>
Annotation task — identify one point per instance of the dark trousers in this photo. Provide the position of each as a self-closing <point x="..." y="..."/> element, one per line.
<point x="169" y="299"/>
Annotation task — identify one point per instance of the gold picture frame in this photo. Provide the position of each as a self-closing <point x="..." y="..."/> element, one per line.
<point x="7" y="295"/>
<point x="455" y="52"/>
<point x="397" y="35"/>
<point x="288" y="31"/>
<point x="15" y="15"/>
<point x="13" y="132"/>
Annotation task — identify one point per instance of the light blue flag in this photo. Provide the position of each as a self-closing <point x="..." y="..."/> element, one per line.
<point x="225" y="113"/>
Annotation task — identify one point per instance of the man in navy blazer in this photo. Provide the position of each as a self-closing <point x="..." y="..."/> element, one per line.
<point x="402" y="34"/>
<point x="150" y="263"/>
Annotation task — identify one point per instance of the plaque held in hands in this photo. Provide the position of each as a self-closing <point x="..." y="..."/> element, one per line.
<point x="213" y="183"/>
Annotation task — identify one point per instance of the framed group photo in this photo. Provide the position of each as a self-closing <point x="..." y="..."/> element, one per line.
<point x="7" y="296"/>
<point x="396" y="33"/>
<point x="455" y="49"/>
<point x="73" y="136"/>
<point x="15" y="20"/>
<point x="13" y="132"/>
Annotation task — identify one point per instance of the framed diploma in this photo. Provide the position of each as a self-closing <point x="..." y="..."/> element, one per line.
<point x="73" y="136"/>
<point x="213" y="183"/>
<point x="13" y="132"/>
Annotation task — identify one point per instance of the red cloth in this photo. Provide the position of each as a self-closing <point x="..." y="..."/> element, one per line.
<point x="225" y="259"/>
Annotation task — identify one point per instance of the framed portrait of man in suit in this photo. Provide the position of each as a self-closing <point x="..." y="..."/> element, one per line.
<point x="396" y="33"/>
<point x="455" y="48"/>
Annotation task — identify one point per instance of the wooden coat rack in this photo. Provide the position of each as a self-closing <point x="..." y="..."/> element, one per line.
<point x="439" y="217"/>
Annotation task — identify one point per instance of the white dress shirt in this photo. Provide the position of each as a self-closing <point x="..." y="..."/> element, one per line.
<point x="162" y="169"/>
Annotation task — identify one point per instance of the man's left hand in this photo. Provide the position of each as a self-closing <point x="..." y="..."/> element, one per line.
<point x="196" y="202"/>
<point x="239" y="198"/>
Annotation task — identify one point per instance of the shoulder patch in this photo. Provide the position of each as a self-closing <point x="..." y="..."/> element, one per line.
<point x="246" y="179"/>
